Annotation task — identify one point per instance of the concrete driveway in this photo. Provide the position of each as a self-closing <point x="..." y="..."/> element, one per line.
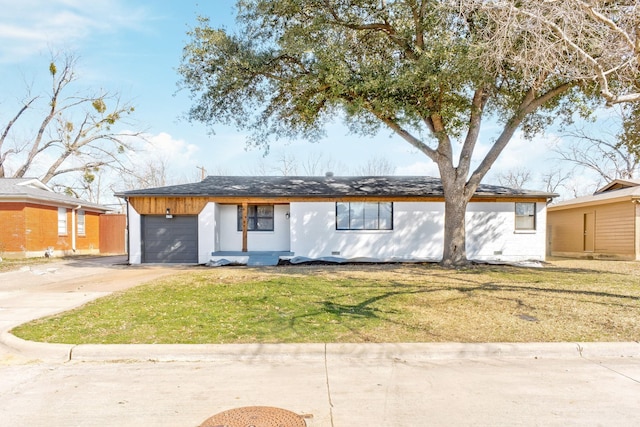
<point x="561" y="384"/>
<point x="40" y="290"/>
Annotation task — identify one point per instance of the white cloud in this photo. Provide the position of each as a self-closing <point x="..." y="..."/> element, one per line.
<point x="176" y="153"/>
<point x="29" y="27"/>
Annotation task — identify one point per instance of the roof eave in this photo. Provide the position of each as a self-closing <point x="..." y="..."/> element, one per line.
<point x="596" y="202"/>
<point x="334" y="195"/>
<point x="26" y="198"/>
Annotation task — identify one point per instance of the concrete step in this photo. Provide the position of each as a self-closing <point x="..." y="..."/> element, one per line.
<point x="263" y="260"/>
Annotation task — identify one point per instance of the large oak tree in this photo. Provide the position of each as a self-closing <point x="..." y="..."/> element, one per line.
<point x="432" y="71"/>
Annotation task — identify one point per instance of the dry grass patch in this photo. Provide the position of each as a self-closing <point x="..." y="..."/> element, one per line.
<point x="10" y="264"/>
<point x="565" y="301"/>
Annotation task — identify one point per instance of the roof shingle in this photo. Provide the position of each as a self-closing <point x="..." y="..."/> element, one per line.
<point x="34" y="190"/>
<point x="324" y="186"/>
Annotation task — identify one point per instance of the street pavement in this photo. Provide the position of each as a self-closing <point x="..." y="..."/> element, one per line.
<point x="449" y="384"/>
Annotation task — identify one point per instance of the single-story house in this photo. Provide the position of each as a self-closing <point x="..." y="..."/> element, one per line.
<point x="35" y="221"/>
<point x="381" y="218"/>
<point x="605" y="225"/>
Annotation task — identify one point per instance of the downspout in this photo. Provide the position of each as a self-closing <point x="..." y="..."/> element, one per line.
<point x="126" y="199"/>
<point x="73" y="227"/>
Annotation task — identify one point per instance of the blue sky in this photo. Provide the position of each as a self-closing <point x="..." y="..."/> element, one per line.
<point x="135" y="47"/>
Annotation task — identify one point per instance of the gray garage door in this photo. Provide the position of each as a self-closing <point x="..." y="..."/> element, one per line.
<point x="173" y="240"/>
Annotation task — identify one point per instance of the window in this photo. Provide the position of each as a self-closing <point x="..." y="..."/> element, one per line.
<point x="81" y="224"/>
<point x="364" y="216"/>
<point x="62" y="221"/>
<point x="259" y="218"/>
<point x="525" y="216"/>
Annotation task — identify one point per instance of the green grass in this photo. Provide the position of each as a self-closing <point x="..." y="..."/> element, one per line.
<point x="391" y="303"/>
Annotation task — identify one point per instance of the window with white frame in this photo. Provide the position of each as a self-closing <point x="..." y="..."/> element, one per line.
<point x="62" y="221"/>
<point x="525" y="216"/>
<point x="259" y="218"/>
<point x="364" y="216"/>
<point x="81" y="223"/>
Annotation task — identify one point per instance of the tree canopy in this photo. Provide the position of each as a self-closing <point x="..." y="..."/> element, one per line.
<point x="429" y="70"/>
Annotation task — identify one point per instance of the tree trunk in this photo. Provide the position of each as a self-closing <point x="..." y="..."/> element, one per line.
<point x="457" y="193"/>
<point x="455" y="252"/>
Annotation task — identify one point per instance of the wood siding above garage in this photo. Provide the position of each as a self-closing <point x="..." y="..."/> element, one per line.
<point x="177" y="205"/>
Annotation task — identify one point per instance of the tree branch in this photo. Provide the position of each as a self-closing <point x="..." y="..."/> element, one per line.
<point x="527" y="107"/>
<point x="478" y="103"/>
<point x="404" y="134"/>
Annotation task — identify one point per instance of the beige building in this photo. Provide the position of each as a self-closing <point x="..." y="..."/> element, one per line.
<point x="605" y="225"/>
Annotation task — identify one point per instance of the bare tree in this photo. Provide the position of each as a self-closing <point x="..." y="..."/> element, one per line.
<point x="586" y="40"/>
<point x="316" y="164"/>
<point x="219" y="170"/>
<point x="377" y="166"/>
<point x="73" y="139"/>
<point x="605" y="156"/>
<point x="629" y="136"/>
<point x="149" y="174"/>
<point x="286" y="165"/>
<point x="90" y="185"/>
<point x="515" y="178"/>
<point x="555" y="179"/>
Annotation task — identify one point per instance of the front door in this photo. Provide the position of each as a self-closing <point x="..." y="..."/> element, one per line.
<point x="589" y="227"/>
<point x="267" y="228"/>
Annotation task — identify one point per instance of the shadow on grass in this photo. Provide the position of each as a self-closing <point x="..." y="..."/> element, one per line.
<point x="366" y="309"/>
<point x="426" y="269"/>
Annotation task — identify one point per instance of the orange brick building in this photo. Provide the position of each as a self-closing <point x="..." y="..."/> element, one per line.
<point x="35" y="221"/>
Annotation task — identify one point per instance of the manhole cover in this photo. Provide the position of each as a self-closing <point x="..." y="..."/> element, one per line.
<point x="255" y="416"/>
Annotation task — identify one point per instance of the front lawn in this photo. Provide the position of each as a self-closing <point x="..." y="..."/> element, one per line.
<point x="363" y="303"/>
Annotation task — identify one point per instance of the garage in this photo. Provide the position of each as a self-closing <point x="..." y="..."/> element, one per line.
<point x="170" y="240"/>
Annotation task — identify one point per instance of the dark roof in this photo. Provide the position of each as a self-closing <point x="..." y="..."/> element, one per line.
<point x="323" y="186"/>
<point x="34" y="190"/>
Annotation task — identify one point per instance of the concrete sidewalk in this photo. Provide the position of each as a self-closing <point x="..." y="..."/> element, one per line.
<point x="330" y="384"/>
<point x="352" y="387"/>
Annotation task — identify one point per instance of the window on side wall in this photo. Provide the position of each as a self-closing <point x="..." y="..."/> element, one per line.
<point x="62" y="221"/>
<point x="525" y="216"/>
<point x="81" y="224"/>
<point x="259" y="218"/>
<point x="364" y="216"/>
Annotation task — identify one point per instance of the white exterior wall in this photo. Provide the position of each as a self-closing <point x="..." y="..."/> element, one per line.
<point x="135" y="236"/>
<point x="491" y="233"/>
<point x="276" y="240"/>
<point x="208" y="236"/>
<point x="417" y="233"/>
